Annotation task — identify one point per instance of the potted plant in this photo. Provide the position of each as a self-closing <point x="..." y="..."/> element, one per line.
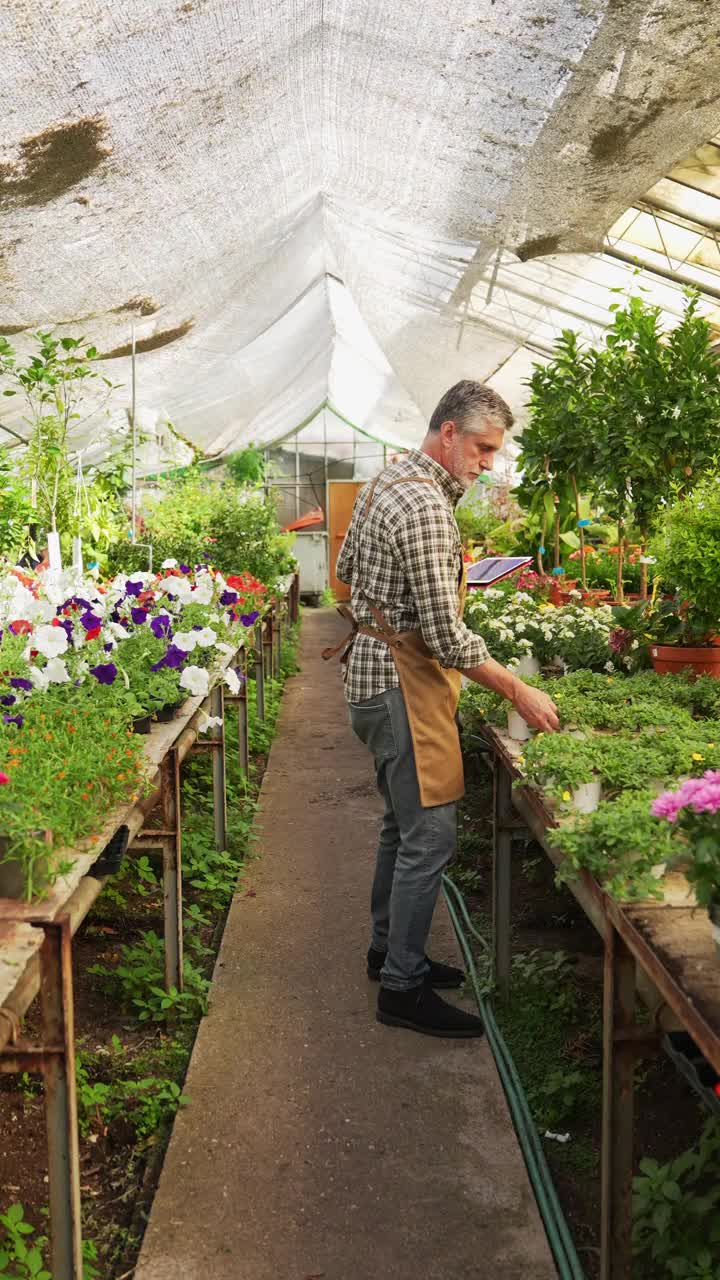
<point x="693" y="811"/>
<point x="621" y="844"/>
<point x="685" y="631"/>
<point x="567" y="768"/>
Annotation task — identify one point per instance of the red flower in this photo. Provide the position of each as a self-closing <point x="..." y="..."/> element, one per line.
<point x="21" y="627"/>
<point x="93" y="633"/>
<point x="4" y="779"/>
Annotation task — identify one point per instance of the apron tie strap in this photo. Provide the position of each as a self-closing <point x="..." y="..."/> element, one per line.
<point x="334" y="650"/>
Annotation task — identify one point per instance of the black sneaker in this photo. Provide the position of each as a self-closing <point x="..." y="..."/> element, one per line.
<point x="420" y="1009"/>
<point x="443" y="976"/>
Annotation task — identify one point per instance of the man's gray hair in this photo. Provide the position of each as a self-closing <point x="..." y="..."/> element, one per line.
<point x="471" y="406"/>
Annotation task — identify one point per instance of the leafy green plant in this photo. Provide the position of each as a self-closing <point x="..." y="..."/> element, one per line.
<point x="688" y="549"/>
<point x="247" y="467"/>
<point x="676" y="1222"/>
<point x="618" y="844"/>
<point x="139" y="978"/>
<point x="146" y="1104"/>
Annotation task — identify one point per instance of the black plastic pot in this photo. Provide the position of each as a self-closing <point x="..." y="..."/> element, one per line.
<point x="142" y="724"/>
<point x="110" y="860"/>
<point x="168" y="712"/>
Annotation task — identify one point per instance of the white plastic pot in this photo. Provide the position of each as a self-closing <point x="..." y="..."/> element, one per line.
<point x="77" y="555"/>
<point x="658" y="871"/>
<point x="518" y="728"/>
<point x="586" y="797"/>
<point x="527" y="666"/>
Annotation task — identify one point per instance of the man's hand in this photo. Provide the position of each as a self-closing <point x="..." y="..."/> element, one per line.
<point x="532" y="704"/>
<point x="536" y="707"/>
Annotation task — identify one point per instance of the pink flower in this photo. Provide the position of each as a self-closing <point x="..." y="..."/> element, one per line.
<point x="4" y="779"/>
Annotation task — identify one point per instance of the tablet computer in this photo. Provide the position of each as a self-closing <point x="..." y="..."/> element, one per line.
<point x="493" y="569"/>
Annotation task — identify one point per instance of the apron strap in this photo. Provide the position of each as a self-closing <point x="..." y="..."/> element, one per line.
<point x="333" y="651"/>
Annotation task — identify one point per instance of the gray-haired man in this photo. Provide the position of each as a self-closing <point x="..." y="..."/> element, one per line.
<point x="403" y="558"/>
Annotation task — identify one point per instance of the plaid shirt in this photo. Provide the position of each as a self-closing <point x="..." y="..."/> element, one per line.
<point x="406" y="557"/>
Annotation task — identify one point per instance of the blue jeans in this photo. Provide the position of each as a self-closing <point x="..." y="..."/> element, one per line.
<point x="416" y="844"/>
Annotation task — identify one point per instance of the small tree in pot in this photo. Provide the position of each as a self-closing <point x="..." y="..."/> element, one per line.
<point x="688" y="550"/>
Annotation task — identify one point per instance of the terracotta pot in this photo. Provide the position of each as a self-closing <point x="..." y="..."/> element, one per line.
<point x="672" y="659"/>
<point x="559" y="588"/>
<point x="592" y="598"/>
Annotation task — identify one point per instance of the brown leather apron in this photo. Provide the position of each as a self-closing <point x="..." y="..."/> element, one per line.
<point x="430" y="691"/>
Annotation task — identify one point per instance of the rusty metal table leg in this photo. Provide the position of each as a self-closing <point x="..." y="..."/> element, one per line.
<point x="56" y="999"/>
<point x="259" y="673"/>
<point x="502" y="875"/>
<point x="619" y="1054"/>
<point x="217" y="708"/>
<point x="172" y="871"/>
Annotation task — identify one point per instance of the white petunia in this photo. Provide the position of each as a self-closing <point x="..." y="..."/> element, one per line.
<point x="225" y="650"/>
<point x="39" y="678"/>
<point x="185" y="640"/>
<point x="209" y="722"/>
<point x="169" y="564"/>
<point x="206" y="637"/>
<point x="57" y="672"/>
<point x="609" y="666"/>
<point x="50" y="641"/>
<point x="195" y="680"/>
<point x="202" y="593"/>
<point x="232" y="681"/>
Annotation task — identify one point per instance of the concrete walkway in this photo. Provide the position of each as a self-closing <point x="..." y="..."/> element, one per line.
<point x="318" y="1143"/>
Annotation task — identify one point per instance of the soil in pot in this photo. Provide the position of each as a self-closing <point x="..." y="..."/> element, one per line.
<point x="142" y="724"/>
<point x="672" y="659"/>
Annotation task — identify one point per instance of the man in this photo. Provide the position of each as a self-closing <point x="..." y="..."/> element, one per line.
<point x="403" y="558"/>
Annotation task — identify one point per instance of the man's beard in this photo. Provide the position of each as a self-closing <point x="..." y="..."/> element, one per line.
<point x="459" y="467"/>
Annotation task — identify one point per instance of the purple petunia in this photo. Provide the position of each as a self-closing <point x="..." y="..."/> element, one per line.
<point x="248" y="619"/>
<point x="173" y="657"/>
<point x="133" y="588"/>
<point x="184" y="568"/>
<point x="161" y="626"/>
<point x="229" y="597"/>
<point x="8" y="700"/>
<point x="104" y="672"/>
<point x="67" y="626"/>
<point x="138" y="615"/>
<point x="91" y="621"/>
<point x="19" y="682"/>
<point x="18" y="720"/>
<point x="109" y="646"/>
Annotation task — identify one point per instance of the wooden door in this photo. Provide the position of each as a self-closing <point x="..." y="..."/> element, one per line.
<point x="341" y="500"/>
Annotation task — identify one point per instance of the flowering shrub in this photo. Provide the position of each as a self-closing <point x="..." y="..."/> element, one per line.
<point x="516" y="625"/>
<point x="79" y="661"/>
<point x="693" y="811"/>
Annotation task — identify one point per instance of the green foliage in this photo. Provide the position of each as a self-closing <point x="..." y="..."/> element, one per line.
<point x="676" y="1214"/>
<point x="22" y="1258"/>
<point x="139" y="978"/>
<point x="247" y="467"/>
<point x="619" y="844"/>
<point x="197" y="519"/>
<point x="688" y="549"/>
<point x="146" y="1104"/>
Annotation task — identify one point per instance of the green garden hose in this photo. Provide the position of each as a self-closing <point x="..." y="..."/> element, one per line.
<point x="556" y="1228"/>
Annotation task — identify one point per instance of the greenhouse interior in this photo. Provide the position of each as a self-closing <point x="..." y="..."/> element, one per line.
<point x="359" y="474"/>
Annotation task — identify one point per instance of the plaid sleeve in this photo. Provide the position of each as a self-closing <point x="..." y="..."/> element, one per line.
<point x="425" y="541"/>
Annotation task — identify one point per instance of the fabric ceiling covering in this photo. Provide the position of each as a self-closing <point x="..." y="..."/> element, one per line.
<point x="343" y="201"/>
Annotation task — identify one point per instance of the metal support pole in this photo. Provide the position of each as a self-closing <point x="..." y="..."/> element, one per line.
<point x="217" y="708"/>
<point x="619" y="1053"/>
<point x="267" y="635"/>
<point x="58" y="1033"/>
<point x="259" y="672"/>
<point x="172" y="870"/>
<point x="243" y="733"/>
<point x="502" y="875"/>
<point x="279" y="635"/>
